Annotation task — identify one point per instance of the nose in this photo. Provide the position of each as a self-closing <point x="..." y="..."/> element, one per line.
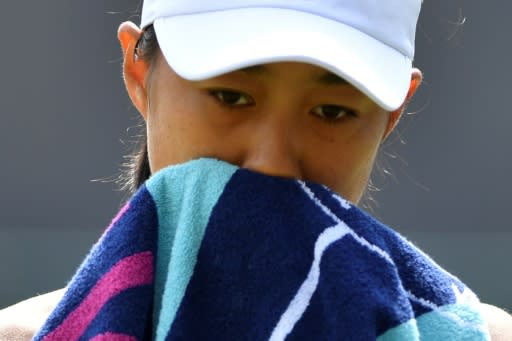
<point x="273" y="149"/>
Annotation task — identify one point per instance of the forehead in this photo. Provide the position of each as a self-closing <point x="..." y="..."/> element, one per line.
<point x="314" y="73"/>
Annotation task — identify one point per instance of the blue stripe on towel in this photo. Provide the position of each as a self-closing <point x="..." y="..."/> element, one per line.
<point x="182" y="221"/>
<point x="238" y="291"/>
<point x="125" y="314"/>
<point x="413" y="265"/>
<point x="361" y="282"/>
<point x="132" y="233"/>
<point x="335" y="272"/>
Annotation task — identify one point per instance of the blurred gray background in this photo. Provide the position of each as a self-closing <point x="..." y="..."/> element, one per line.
<point x="66" y="121"/>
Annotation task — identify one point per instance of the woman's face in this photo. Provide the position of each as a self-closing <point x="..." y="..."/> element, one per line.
<point x="284" y="119"/>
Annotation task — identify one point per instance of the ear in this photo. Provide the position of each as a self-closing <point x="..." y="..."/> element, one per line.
<point x="134" y="69"/>
<point x="394" y="117"/>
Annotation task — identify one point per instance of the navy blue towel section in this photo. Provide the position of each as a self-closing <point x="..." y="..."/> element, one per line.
<point x="230" y="254"/>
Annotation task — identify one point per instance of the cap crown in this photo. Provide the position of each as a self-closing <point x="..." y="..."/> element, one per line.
<point x="392" y="22"/>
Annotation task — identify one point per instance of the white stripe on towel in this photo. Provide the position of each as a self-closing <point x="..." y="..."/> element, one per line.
<point x="301" y="300"/>
<point x="461" y="297"/>
<point x="362" y="241"/>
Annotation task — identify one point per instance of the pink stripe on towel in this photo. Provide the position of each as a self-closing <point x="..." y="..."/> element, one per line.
<point x="130" y="272"/>
<point x="114" y="337"/>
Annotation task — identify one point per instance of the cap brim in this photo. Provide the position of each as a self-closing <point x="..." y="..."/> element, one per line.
<point x="205" y="45"/>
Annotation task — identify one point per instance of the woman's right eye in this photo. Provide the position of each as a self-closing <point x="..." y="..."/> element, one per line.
<point x="231" y="98"/>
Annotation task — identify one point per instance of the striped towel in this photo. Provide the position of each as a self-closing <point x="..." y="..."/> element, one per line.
<point x="208" y="251"/>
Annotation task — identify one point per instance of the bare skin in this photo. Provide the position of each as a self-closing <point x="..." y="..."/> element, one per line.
<point x="22" y="320"/>
<point x="279" y="119"/>
<point x="287" y="119"/>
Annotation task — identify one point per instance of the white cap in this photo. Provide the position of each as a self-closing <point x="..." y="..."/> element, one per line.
<point x="369" y="43"/>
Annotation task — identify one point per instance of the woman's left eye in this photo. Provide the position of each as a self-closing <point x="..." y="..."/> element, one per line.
<point x="331" y="112"/>
<point x="232" y="98"/>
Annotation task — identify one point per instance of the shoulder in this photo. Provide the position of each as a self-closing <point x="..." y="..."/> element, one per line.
<point x="21" y="321"/>
<point x="498" y="321"/>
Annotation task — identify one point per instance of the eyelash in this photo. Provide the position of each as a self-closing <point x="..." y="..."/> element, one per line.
<point x="218" y="95"/>
<point x="345" y="112"/>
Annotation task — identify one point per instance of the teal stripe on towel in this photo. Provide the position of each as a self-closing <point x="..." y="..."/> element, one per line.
<point x="449" y="322"/>
<point x="184" y="202"/>
<point x="453" y="322"/>
<point x="406" y="331"/>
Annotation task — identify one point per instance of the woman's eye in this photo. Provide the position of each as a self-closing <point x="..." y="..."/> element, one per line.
<point x="332" y="112"/>
<point x="231" y="98"/>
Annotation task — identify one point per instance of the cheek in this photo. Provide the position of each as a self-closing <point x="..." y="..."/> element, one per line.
<point x="350" y="174"/>
<point x="171" y="126"/>
<point x="365" y="159"/>
<point x="345" y="166"/>
<point x="181" y="126"/>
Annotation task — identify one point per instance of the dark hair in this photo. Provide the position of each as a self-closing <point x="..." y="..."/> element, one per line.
<point x="136" y="169"/>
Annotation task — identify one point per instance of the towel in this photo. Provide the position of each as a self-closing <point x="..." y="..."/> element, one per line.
<point x="205" y="250"/>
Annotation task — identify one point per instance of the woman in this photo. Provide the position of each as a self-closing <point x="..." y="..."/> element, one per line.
<point x="284" y="88"/>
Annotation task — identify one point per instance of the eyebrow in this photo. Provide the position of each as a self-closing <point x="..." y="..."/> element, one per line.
<point x="255" y="69"/>
<point x="327" y="78"/>
<point x="330" y="78"/>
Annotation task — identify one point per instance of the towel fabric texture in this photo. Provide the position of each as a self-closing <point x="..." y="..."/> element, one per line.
<point x="208" y="251"/>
